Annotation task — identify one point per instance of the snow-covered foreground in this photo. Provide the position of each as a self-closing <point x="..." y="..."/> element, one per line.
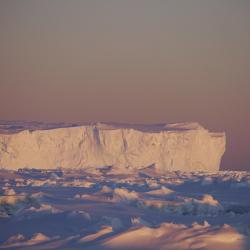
<point x="105" y="209"/>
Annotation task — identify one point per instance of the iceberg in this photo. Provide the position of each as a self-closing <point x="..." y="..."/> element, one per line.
<point x="166" y="147"/>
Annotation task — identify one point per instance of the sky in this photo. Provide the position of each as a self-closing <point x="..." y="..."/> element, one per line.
<point x="134" y="61"/>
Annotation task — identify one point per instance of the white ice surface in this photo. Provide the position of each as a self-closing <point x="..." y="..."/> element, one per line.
<point x="75" y="209"/>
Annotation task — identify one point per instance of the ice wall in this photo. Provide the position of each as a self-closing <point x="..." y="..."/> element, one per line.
<point x="184" y="146"/>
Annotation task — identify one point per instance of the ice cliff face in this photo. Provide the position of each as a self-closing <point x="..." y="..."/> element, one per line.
<point x="185" y="146"/>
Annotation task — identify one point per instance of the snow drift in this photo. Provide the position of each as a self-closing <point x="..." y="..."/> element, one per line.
<point x="183" y="146"/>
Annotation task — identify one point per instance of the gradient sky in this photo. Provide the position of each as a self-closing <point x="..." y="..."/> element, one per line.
<point x="129" y="61"/>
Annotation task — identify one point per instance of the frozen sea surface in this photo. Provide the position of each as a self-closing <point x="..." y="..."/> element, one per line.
<point x="103" y="208"/>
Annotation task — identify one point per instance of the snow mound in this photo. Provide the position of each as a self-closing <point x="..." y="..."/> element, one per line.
<point x="161" y="192"/>
<point x="184" y="205"/>
<point x="123" y="194"/>
<point x="44" y="208"/>
<point x="92" y="237"/>
<point x="106" y="189"/>
<point x="9" y="192"/>
<point x="207" y="181"/>
<point x="138" y="221"/>
<point x="37" y="238"/>
<point x="178" y="236"/>
<point x="10" y="205"/>
<point x="206" y="206"/>
<point x="15" y="239"/>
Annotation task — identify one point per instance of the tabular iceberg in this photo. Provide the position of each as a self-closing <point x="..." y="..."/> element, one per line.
<point x="181" y="146"/>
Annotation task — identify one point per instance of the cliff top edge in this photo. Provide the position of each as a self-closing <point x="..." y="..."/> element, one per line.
<point x="12" y="127"/>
